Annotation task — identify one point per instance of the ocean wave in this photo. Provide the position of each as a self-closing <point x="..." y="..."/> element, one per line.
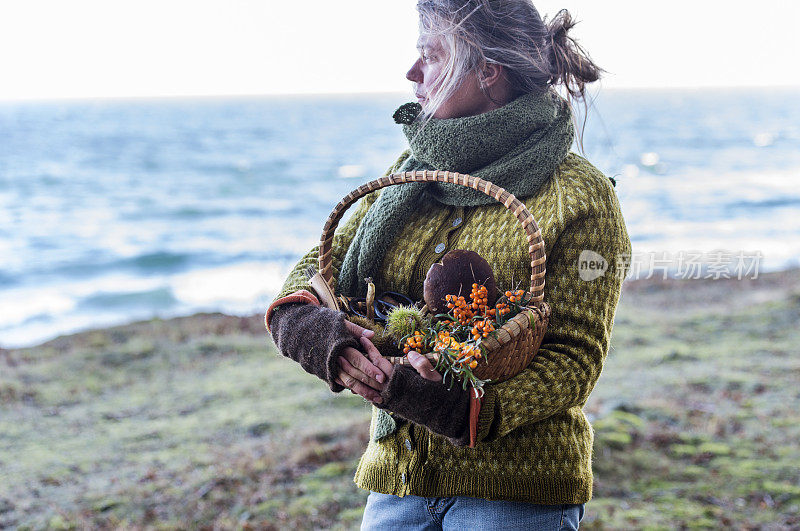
<point x="34" y="314"/>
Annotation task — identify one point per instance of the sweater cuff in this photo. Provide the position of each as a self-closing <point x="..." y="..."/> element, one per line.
<point x="301" y="296"/>
<point x="314" y="337"/>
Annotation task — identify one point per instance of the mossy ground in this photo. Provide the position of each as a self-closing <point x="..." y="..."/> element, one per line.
<point x="197" y="422"/>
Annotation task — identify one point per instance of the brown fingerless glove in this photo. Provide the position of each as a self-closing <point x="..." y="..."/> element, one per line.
<point x="427" y="403"/>
<point x="313" y="336"/>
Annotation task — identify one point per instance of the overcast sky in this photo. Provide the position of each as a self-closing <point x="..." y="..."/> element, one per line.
<point x="89" y="48"/>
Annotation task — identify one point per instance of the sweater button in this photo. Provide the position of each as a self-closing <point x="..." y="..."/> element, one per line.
<point x="457" y="222"/>
<point x="403" y="478"/>
<point x="408" y="445"/>
<point x="439" y="248"/>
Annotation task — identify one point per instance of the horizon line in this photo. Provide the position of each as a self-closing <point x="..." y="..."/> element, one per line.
<point x="256" y="95"/>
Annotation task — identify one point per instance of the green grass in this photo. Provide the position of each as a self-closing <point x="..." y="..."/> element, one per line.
<point x="696" y="415"/>
<point x="191" y="422"/>
<point x="197" y="422"/>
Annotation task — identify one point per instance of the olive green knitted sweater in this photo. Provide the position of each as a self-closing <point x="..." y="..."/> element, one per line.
<point x="534" y="441"/>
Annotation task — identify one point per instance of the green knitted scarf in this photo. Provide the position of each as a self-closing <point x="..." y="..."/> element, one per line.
<point x="517" y="146"/>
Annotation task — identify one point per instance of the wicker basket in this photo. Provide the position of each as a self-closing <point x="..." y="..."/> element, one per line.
<point x="516" y="342"/>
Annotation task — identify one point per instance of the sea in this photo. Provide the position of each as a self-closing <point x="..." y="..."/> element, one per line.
<point x="113" y="211"/>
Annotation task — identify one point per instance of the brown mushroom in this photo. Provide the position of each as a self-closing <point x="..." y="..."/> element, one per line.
<point x="454" y="275"/>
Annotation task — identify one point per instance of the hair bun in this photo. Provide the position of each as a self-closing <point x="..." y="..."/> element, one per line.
<point x="569" y="62"/>
<point x="559" y="26"/>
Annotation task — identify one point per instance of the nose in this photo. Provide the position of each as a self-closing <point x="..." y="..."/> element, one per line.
<point x="415" y="74"/>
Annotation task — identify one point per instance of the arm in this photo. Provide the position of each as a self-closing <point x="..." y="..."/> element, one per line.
<point x="570" y="359"/>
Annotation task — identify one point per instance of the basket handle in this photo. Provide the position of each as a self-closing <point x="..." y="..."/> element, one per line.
<point x="534" y="235"/>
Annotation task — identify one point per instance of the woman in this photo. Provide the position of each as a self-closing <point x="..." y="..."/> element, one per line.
<point x="485" y="81"/>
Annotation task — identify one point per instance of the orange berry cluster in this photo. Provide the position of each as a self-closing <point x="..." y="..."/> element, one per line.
<point x="482" y="328"/>
<point x="414" y="343"/>
<point x="475" y="313"/>
<point x="515" y="296"/>
<point x="500" y="308"/>
<point x="444" y="341"/>
<point x="467" y="354"/>
<point x="461" y="309"/>
<point x="480" y="299"/>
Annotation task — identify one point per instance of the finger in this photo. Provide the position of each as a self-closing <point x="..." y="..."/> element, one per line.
<point x="376" y="358"/>
<point x="359" y="388"/>
<point x="358" y="330"/>
<point x="340" y="382"/>
<point x="357" y="374"/>
<point x="423" y="366"/>
<point x="360" y="362"/>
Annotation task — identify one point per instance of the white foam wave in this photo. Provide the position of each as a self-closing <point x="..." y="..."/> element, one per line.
<point x="235" y="288"/>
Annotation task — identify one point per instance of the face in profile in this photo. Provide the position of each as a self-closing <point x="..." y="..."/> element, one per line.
<point x="427" y="73"/>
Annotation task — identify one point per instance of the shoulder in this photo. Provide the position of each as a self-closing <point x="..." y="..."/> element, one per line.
<point x="577" y="190"/>
<point x="587" y="186"/>
<point x="578" y="204"/>
<point x="576" y="166"/>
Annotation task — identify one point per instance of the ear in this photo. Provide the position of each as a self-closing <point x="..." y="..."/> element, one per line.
<point x="491" y="74"/>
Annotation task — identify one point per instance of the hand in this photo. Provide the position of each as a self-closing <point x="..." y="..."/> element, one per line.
<point x="418" y="395"/>
<point x="363" y="375"/>
<point x="424" y="367"/>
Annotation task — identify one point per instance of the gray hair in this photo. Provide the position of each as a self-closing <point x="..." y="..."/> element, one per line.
<point x="535" y="54"/>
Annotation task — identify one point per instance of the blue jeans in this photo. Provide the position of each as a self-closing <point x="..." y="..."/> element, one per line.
<point x="385" y="511"/>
